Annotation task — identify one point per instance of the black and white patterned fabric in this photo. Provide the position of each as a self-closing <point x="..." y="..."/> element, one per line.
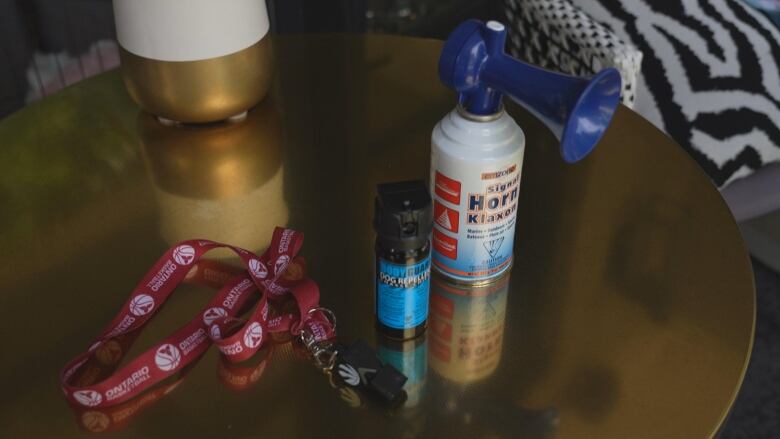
<point x="555" y="35"/>
<point x="710" y="77"/>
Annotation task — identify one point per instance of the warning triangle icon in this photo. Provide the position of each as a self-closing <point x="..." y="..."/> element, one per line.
<point x="493" y="246"/>
<point x="444" y="220"/>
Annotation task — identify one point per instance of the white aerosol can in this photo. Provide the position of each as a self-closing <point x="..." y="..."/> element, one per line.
<point x="477" y="149"/>
<point x="476" y="163"/>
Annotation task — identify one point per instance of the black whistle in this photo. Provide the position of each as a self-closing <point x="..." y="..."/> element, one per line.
<point x="358" y="366"/>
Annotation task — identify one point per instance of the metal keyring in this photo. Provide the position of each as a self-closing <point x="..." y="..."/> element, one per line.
<point x="325" y="359"/>
<point x="328" y="314"/>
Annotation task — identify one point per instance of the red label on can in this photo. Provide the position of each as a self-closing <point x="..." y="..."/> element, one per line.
<point x="445" y="245"/>
<point x="439" y="350"/>
<point x="446" y="218"/>
<point x="440" y="327"/>
<point x="447" y="189"/>
<point x="442" y="306"/>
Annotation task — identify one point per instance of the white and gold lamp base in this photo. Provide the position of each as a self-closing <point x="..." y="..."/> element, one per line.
<point x="198" y="63"/>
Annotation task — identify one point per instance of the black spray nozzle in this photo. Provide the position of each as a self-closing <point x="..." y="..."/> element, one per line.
<point x="403" y="215"/>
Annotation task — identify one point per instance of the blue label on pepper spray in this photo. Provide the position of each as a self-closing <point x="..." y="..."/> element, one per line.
<point x="402" y="293"/>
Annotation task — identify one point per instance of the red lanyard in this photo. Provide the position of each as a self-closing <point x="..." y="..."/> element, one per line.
<point x="237" y="339"/>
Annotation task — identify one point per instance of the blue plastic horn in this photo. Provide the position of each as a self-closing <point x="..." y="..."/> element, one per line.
<point x="577" y="110"/>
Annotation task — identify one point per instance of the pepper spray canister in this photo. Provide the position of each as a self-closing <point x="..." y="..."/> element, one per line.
<point x="477" y="149"/>
<point x="403" y="222"/>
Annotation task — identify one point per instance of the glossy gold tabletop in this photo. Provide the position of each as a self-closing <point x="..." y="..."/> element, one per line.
<point x="629" y="312"/>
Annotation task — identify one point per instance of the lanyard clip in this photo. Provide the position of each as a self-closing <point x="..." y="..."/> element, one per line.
<point x="320" y="346"/>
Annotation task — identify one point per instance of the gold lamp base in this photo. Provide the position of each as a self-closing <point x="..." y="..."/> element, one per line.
<point x="200" y="91"/>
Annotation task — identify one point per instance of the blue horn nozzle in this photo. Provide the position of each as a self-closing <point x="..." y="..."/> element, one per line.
<point x="577" y="110"/>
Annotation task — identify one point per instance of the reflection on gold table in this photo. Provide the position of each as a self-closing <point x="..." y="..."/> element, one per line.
<point x="223" y="180"/>
<point x="629" y="311"/>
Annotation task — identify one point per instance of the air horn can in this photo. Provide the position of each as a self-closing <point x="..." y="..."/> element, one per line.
<point x="477" y="149"/>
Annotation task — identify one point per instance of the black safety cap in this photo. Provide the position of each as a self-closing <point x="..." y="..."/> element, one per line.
<point x="403" y="216"/>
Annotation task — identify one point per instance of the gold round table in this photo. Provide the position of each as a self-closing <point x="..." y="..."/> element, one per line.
<point x="629" y="312"/>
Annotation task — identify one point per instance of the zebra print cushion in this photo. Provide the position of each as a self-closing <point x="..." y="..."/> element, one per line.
<point x="710" y="77"/>
<point x="556" y="35"/>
